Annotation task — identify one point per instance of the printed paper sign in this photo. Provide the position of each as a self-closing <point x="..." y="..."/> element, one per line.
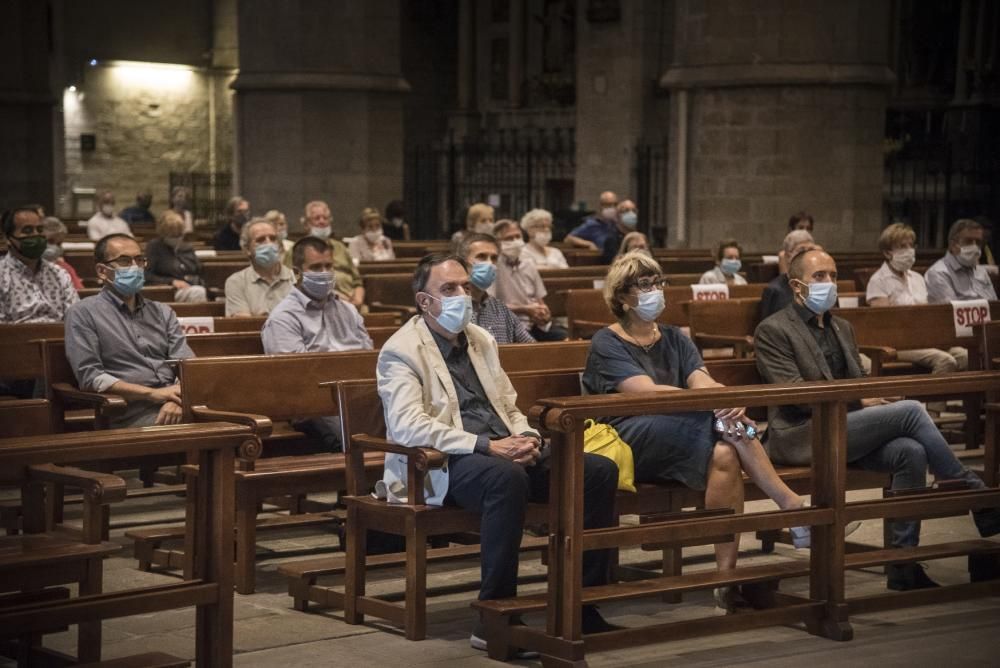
<point x="968" y="314"/>
<point x="847" y="302"/>
<point x="709" y="292"/>
<point x="199" y="325"/>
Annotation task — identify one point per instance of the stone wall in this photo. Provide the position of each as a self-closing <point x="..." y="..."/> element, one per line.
<point x="147" y="123"/>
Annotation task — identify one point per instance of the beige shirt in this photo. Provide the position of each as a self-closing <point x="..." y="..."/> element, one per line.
<point x="100" y="226"/>
<point x="519" y="285"/>
<point x="552" y="258"/>
<point x="900" y="290"/>
<point x="249" y="292"/>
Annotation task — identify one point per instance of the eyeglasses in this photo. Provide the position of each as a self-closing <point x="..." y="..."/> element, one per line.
<point x="123" y="261"/>
<point x="649" y="283"/>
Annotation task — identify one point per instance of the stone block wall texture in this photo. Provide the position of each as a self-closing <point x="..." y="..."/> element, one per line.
<point x="786" y="112"/>
<point x="144" y="130"/>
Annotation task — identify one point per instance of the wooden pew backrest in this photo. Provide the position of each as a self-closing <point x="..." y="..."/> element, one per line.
<point x="20" y="354"/>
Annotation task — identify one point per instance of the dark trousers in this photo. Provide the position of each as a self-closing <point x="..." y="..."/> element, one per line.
<point x="326" y="430"/>
<point x="499" y="490"/>
<point x="555" y="333"/>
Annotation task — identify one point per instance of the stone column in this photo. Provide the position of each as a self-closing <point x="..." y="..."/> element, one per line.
<point x="785" y="108"/>
<point x="318" y="106"/>
<point x="27" y="107"/>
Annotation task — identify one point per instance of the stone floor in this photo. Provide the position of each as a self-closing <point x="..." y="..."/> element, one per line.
<point x="268" y="632"/>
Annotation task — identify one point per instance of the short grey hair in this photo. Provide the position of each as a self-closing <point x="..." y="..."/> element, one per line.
<point x="961" y="225"/>
<point x="795" y="238"/>
<point x="246" y="230"/>
<point x="462" y="247"/>
<point x="535" y="218"/>
<point x="54" y="226"/>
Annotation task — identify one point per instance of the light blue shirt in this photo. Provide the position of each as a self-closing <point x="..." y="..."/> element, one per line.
<point x="948" y="280"/>
<point x="299" y="324"/>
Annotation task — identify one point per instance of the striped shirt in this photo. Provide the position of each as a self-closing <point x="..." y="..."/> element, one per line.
<point x="493" y="315"/>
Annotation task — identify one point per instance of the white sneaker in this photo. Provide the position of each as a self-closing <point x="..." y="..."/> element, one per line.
<point x="802" y="536"/>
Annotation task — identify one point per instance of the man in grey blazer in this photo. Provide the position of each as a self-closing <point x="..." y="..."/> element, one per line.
<point x="804" y="342"/>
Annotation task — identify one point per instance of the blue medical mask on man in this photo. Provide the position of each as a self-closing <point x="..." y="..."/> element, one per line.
<point x="265" y="255"/>
<point x="456" y="312"/>
<point x="317" y="284"/>
<point x="129" y="280"/>
<point x="819" y="297"/>
<point x="483" y="274"/>
<point x="630" y="219"/>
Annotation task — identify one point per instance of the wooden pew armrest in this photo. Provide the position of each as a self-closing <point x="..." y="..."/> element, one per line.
<point x="105" y="404"/>
<point x="102" y="488"/>
<point x="434" y="458"/>
<point x="879" y="355"/>
<point x="260" y="424"/>
<point x="380" y="307"/>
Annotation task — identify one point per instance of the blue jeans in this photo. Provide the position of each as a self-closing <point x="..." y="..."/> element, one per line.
<point x="901" y="439"/>
<point x="499" y="490"/>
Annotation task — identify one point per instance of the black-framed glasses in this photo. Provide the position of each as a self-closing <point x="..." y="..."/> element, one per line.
<point x="123" y="261"/>
<point x="649" y="283"/>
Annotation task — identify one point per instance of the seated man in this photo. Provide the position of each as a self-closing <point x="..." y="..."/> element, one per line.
<point x="958" y="275"/>
<point x="119" y="343"/>
<point x="520" y="286"/>
<point x="480" y="252"/>
<point x="31" y="290"/>
<point x="257" y="289"/>
<point x="318" y="223"/>
<point x="594" y="230"/>
<point x="442" y="386"/>
<point x="777" y="295"/>
<point x="139" y="212"/>
<point x="237" y="213"/>
<point x="105" y="222"/>
<point x="805" y="342"/>
<point x="626" y="220"/>
<point x="896" y="284"/>
<point x="313" y="319"/>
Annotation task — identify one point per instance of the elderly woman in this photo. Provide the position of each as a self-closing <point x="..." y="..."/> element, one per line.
<point x="727" y="265"/>
<point x="636" y="354"/>
<point x="280" y="223"/>
<point x="479" y="219"/>
<point x="634" y="241"/>
<point x="537" y="224"/>
<point x="171" y="261"/>
<point x="371" y="245"/>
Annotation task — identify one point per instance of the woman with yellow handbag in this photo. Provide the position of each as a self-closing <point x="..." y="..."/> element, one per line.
<point x="637" y="354"/>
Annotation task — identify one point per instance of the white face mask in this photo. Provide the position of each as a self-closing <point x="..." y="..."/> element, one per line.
<point x="903" y="259"/>
<point x="969" y="255"/>
<point x="542" y="238"/>
<point x="108" y="210"/>
<point x="483" y="228"/>
<point x="373" y="236"/>
<point x="321" y="232"/>
<point x="512" y="249"/>
<point x="609" y="213"/>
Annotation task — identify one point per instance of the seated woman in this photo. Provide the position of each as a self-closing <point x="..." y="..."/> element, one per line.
<point x="537" y="224"/>
<point x="171" y="261"/>
<point x="635" y="241"/>
<point x="280" y="223"/>
<point x="478" y="220"/>
<point x="727" y="265"/>
<point x="371" y="245"/>
<point x="636" y="354"/>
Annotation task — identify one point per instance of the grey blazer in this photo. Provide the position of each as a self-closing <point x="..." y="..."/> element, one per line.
<point x="787" y="353"/>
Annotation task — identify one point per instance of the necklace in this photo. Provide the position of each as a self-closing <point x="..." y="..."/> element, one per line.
<point x="646" y="347"/>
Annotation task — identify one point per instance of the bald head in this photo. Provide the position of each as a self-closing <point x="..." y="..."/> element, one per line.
<point x="608" y="198"/>
<point x="812" y="266"/>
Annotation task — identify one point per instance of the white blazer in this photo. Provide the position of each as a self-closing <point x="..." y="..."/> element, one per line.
<point x="421" y="405"/>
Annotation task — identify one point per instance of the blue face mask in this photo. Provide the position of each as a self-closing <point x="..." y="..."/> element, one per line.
<point x="821" y="297"/>
<point x="651" y="305"/>
<point x="129" y="281"/>
<point x="630" y="219"/>
<point x="317" y="284"/>
<point x="265" y="255"/>
<point x="483" y="274"/>
<point x="730" y="266"/>
<point x="456" y="312"/>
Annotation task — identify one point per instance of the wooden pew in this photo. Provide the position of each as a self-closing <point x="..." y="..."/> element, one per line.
<point x="215" y="309"/>
<point x="224" y="388"/>
<point x="215" y="273"/>
<point x="825" y="610"/>
<point x="390" y="292"/>
<point x="159" y="293"/>
<point x="210" y="588"/>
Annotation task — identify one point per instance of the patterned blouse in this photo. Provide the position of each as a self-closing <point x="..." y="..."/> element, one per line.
<point x="33" y="296"/>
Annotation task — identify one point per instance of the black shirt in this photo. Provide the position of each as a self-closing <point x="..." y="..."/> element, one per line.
<point x="226" y="239"/>
<point x="478" y="416"/>
<point x="826" y="339"/>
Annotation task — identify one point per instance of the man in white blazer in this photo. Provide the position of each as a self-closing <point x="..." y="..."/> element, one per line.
<point x="442" y="386"/>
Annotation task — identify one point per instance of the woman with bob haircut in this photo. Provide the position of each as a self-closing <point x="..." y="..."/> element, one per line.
<point x="637" y="354"/>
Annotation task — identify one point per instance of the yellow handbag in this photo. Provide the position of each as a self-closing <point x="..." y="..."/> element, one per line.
<point x="603" y="439"/>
